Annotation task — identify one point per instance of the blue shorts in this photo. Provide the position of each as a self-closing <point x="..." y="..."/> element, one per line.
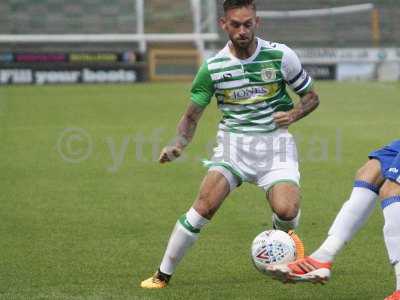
<point x="389" y="157"/>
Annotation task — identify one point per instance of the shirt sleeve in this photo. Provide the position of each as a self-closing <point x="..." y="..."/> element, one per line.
<point x="294" y="74"/>
<point x="202" y="87"/>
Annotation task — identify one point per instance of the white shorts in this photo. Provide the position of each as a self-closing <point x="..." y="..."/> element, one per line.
<point x="263" y="159"/>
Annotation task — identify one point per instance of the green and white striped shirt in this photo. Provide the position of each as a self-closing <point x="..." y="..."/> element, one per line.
<point x="249" y="91"/>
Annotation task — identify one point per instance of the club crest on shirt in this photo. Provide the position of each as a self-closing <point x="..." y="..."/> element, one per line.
<point x="268" y="74"/>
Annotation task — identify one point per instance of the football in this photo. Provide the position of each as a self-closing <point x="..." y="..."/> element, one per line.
<point x="272" y="247"/>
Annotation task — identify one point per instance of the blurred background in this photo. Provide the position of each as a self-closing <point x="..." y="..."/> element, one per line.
<point x="138" y="40"/>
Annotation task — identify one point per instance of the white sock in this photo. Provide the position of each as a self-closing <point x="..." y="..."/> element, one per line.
<point x="397" y="271"/>
<point x="391" y="229"/>
<point x="285" y="225"/>
<point x="348" y="221"/>
<point x="327" y="251"/>
<point x="183" y="236"/>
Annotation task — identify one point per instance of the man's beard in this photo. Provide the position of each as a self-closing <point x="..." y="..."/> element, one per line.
<point x="244" y="44"/>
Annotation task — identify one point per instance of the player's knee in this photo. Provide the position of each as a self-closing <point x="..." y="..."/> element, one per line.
<point x="389" y="189"/>
<point x="361" y="172"/>
<point x="370" y="172"/>
<point x="204" y="205"/>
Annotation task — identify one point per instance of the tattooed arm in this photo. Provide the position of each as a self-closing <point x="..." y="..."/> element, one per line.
<point x="307" y="104"/>
<point x="185" y="132"/>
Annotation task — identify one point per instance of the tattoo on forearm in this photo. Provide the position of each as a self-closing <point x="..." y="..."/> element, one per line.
<point x="307" y="104"/>
<point x="187" y="125"/>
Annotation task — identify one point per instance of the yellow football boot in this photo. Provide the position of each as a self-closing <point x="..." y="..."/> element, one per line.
<point x="157" y="281"/>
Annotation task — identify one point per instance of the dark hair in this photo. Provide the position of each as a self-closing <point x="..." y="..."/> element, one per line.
<point x="231" y="4"/>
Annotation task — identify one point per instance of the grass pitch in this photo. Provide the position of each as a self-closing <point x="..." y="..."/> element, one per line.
<point x="86" y="211"/>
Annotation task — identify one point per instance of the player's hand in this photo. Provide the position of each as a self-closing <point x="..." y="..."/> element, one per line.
<point x="169" y="153"/>
<point x="283" y="118"/>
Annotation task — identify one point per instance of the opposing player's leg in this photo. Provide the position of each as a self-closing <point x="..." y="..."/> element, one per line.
<point x="354" y="212"/>
<point x="214" y="189"/>
<point x="350" y="218"/>
<point x="390" y="196"/>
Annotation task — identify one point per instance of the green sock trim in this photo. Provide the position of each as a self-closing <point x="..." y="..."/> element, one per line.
<point x="184" y="222"/>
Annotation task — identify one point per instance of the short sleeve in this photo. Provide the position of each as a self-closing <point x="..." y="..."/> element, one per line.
<point x="202" y="87"/>
<point x="294" y="74"/>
